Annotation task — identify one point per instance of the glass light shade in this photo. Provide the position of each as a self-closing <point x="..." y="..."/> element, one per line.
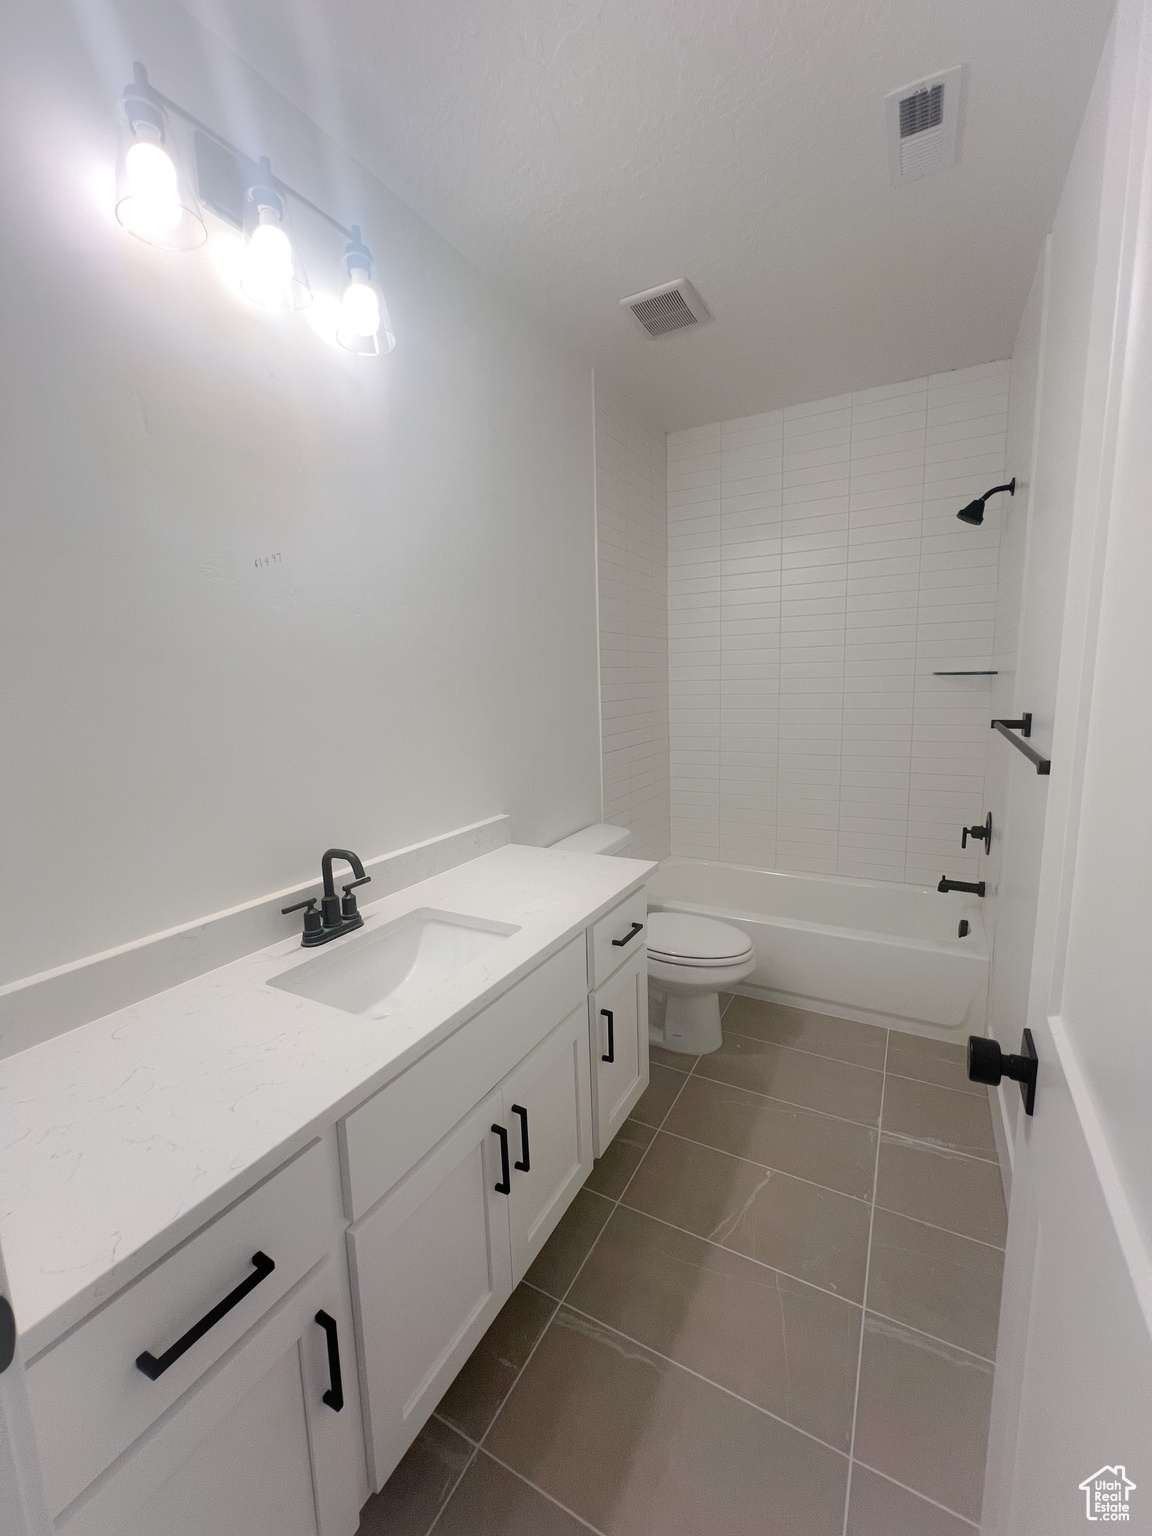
<point x="153" y="200"/>
<point x="271" y="275"/>
<point x="363" y="326"/>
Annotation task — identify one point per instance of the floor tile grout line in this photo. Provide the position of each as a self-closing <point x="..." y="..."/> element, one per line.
<point x="863" y="1313"/>
<point x="768" y="1167"/>
<point x="707" y="1380"/>
<point x="841" y="1061"/>
<point x="869" y="1125"/>
<point x="936" y="1227"/>
<point x="924" y="1334"/>
<point x="774" y="1269"/>
<point x="926" y="1082"/>
<point x="939" y="1146"/>
<point x="543" y="1492"/>
<point x="936" y="1504"/>
<point x="472" y="1455"/>
<point x="662" y="1130"/>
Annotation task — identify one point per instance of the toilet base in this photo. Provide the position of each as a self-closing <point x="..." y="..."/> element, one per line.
<point x="692" y="1023"/>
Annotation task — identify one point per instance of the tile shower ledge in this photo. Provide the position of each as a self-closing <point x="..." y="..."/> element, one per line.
<point x="123" y="1136"/>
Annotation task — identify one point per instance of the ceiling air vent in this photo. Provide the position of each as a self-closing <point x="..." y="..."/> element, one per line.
<point x="671" y="307"/>
<point x="923" y="126"/>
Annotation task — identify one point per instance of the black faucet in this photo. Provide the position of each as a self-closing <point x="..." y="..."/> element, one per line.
<point x="338" y="914"/>
<point x="975" y="887"/>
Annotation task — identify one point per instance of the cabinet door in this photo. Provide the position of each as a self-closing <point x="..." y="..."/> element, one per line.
<point x="547" y="1112"/>
<point x="250" y="1477"/>
<point x="618" y="1031"/>
<point x="254" y="1449"/>
<point x="430" y="1268"/>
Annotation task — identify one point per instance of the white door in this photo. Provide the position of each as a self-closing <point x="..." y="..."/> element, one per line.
<point x="1071" y="1437"/>
<point x="548" y="1116"/>
<point x="22" y="1508"/>
<point x="431" y="1267"/>
<point x="618" y="1032"/>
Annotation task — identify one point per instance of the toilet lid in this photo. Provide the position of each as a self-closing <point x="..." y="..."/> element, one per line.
<point x="684" y="937"/>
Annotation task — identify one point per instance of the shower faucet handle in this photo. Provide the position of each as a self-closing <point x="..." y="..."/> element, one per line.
<point x="981" y="833"/>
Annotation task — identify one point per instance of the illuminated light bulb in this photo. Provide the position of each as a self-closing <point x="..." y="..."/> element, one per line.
<point x="154" y="201"/>
<point x="360" y="309"/>
<point x="363" y="326"/>
<point x="268" y="266"/>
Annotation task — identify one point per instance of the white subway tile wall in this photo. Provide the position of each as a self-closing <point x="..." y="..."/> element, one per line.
<point x="632" y="543"/>
<point x="817" y="578"/>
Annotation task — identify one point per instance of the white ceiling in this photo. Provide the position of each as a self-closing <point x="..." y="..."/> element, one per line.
<point x="578" y="151"/>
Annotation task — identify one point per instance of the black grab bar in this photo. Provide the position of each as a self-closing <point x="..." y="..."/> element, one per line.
<point x="1008" y="729"/>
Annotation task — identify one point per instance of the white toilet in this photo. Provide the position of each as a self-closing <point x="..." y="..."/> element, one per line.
<point x="691" y="959"/>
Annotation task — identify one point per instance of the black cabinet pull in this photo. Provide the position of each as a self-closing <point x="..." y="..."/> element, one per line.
<point x="262" y="1267"/>
<point x="334" y="1396"/>
<point x="525" y="1162"/>
<point x="606" y="1013"/>
<point x="505" y="1185"/>
<point x="629" y="936"/>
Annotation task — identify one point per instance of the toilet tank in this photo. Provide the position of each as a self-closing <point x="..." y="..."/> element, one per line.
<point x="599" y="838"/>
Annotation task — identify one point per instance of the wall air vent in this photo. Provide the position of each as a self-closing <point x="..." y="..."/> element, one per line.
<point x="671" y="307"/>
<point x="924" y="126"/>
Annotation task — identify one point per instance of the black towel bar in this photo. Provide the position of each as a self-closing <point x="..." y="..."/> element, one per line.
<point x="1008" y="729"/>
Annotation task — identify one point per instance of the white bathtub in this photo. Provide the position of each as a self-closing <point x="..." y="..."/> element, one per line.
<point x="860" y="949"/>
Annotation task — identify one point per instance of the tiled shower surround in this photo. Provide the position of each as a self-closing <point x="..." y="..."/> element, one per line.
<point x="632" y="556"/>
<point x="817" y="578"/>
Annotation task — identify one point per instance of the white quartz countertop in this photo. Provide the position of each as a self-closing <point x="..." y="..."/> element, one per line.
<point x="120" y="1138"/>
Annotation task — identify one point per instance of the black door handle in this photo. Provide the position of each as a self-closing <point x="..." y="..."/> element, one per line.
<point x="987" y="1063"/>
<point x="629" y="936"/>
<point x="525" y="1162"/>
<point x="334" y="1396"/>
<point x="606" y="1013"/>
<point x="262" y="1267"/>
<point x="7" y="1334"/>
<point x="505" y="1185"/>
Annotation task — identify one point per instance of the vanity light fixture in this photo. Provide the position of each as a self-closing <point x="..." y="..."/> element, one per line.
<point x="364" y="325"/>
<point x="974" y="512"/>
<point x="154" y="200"/>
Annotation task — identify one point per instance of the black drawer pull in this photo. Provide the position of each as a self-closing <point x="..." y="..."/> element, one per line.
<point x="629" y="936"/>
<point x="525" y="1162"/>
<point x="334" y="1396"/>
<point x="262" y="1267"/>
<point x="505" y="1185"/>
<point x="606" y="1013"/>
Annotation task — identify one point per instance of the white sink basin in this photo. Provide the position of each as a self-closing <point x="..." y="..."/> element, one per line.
<point x="379" y="973"/>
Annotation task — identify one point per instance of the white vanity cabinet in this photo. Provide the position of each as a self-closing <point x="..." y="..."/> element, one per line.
<point x="148" y="1415"/>
<point x="618" y="1034"/>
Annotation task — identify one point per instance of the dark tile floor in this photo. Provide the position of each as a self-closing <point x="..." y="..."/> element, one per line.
<point x="771" y="1309"/>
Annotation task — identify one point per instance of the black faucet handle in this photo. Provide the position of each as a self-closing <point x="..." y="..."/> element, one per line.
<point x="312" y="919"/>
<point x="348" y="907"/>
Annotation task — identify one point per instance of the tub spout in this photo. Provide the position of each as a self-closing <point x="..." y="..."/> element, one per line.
<point x="974" y="887"/>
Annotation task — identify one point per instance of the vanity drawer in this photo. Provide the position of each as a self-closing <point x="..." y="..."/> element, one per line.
<point x="389" y="1134"/>
<point x="90" y="1401"/>
<point x="617" y="938"/>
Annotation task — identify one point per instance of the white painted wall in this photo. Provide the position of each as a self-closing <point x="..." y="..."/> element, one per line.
<point x="817" y="578"/>
<point x="183" y="727"/>
<point x="1048" y="383"/>
<point x="632" y="547"/>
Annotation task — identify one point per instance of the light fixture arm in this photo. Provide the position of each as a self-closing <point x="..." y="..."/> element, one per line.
<point x="149" y="94"/>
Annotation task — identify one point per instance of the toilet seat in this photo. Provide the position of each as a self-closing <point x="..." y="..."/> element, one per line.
<point x="685" y="939"/>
